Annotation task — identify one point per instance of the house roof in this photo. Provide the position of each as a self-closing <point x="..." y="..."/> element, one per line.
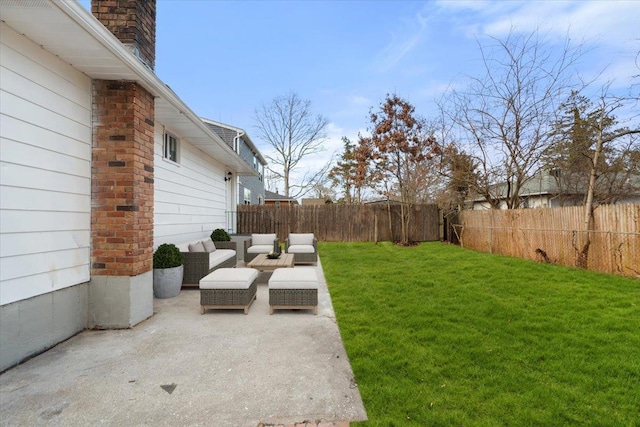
<point x="228" y="133"/>
<point x="271" y="196"/>
<point x="67" y="30"/>
<point x="544" y="183"/>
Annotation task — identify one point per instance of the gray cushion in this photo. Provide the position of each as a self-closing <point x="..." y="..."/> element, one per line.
<point x="183" y="247"/>
<point x="209" y="246"/>
<point x="196" y="247"/>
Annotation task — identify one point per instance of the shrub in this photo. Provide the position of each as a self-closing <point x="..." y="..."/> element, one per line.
<point x="219" y="235"/>
<point x="167" y="256"/>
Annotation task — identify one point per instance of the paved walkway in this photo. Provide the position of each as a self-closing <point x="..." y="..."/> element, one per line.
<point x="182" y="368"/>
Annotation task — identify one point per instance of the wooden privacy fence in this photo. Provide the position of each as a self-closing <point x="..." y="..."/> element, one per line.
<point x="340" y="223"/>
<point x="554" y="235"/>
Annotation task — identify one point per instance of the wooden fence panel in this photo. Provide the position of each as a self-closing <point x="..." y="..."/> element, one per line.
<point x="554" y="235"/>
<point x="339" y="223"/>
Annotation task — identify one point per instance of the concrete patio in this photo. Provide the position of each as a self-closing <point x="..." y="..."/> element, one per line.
<point x="182" y="368"/>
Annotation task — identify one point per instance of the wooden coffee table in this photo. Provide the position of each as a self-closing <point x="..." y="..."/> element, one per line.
<point x="262" y="263"/>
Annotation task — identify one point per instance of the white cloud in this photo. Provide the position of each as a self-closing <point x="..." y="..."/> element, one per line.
<point x="360" y="101"/>
<point x="410" y="34"/>
<point x="609" y="29"/>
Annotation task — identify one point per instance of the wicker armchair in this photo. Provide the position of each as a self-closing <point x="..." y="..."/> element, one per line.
<point x="303" y="246"/>
<point x="259" y="244"/>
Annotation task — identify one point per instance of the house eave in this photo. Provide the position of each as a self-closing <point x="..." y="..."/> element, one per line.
<point x="67" y="30"/>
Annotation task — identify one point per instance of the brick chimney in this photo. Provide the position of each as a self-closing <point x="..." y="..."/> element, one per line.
<point x="133" y="22"/>
<point x="122" y="177"/>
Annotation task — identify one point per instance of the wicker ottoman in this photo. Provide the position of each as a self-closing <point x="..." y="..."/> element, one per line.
<point x="227" y="288"/>
<point x="293" y="288"/>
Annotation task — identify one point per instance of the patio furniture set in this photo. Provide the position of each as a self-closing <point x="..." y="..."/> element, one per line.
<point x="289" y="288"/>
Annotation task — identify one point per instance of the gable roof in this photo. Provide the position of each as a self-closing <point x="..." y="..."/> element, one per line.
<point x="67" y="30"/>
<point x="228" y="133"/>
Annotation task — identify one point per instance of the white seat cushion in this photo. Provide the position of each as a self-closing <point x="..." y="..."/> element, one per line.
<point x="260" y="249"/>
<point x="301" y="249"/>
<point x="263" y="239"/>
<point x="294" y="278"/>
<point x="219" y="256"/>
<point x="301" y="239"/>
<point x="229" y="278"/>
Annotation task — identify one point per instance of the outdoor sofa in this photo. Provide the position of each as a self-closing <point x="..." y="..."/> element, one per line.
<point x="303" y="246"/>
<point x="201" y="257"/>
<point x="259" y="244"/>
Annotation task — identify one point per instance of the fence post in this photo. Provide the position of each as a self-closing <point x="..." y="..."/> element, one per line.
<point x="612" y="252"/>
<point x="491" y="235"/>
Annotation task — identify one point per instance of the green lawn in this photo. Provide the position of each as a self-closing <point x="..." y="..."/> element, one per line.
<point x="442" y="336"/>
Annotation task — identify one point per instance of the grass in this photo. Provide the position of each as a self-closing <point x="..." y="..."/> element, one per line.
<point x="439" y="336"/>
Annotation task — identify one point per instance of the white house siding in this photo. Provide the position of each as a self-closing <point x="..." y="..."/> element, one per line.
<point x="45" y="167"/>
<point x="190" y="196"/>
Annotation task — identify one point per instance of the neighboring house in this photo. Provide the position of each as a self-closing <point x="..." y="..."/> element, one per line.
<point x="271" y="198"/>
<point x="100" y="163"/>
<point x="315" y="202"/>
<point x="382" y="202"/>
<point x="250" y="188"/>
<point x="543" y="190"/>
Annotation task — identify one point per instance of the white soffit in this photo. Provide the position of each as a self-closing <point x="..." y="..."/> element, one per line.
<point x="70" y="32"/>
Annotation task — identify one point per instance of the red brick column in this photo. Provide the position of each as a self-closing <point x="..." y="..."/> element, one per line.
<point x="122" y="179"/>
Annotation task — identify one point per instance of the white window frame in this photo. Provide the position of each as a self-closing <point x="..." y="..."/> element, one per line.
<point x="167" y="153"/>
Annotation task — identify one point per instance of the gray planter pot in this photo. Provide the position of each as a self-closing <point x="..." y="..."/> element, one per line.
<point x="167" y="281"/>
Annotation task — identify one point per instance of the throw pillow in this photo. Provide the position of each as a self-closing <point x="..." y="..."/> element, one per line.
<point x="196" y="247"/>
<point x="209" y="246"/>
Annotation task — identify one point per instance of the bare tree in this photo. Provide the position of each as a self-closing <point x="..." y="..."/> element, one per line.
<point x="290" y="128"/>
<point x="604" y="110"/>
<point x="503" y="118"/>
<point x="396" y="150"/>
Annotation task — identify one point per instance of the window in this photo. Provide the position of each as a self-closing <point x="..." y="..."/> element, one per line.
<point x="170" y="148"/>
<point x="247" y="196"/>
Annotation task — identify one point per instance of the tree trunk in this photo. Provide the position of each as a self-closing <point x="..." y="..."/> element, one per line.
<point x="404" y="241"/>
<point x="390" y="219"/>
<point x="582" y="258"/>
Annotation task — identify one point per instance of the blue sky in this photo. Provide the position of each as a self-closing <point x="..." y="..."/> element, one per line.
<point x="226" y="58"/>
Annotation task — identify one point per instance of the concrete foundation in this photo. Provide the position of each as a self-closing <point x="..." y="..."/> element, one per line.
<point x="31" y="326"/>
<point x="120" y="302"/>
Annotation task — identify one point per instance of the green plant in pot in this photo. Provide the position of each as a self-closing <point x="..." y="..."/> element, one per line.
<point x="220" y="235"/>
<point x="167" y="271"/>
